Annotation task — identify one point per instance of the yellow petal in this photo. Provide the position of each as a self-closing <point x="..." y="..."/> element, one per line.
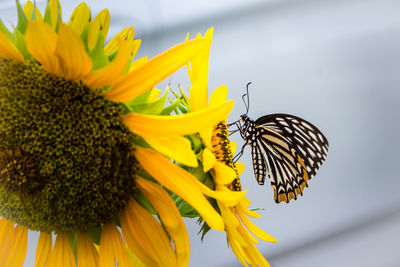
<point x="198" y="73"/>
<point x="80" y="18"/>
<point x="149" y="233"/>
<point x="208" y="160"/>
<point x="43" y="250"/>
<point x="206" y="136"/>
<point x="188" y="123"/>
<point x="87" y="253"/>
<point x="74" y="62"/>
<point x="17" y="253"/>
<point x="100" y="23"/>
<point x="233" y="146"/>
<point x="238" y="251"/>
<point x="198" y="94"/>
<point x="154" y="93"/>
<point x="143" y="252"/>
<point x="239" y="166"/>
<point x="232" y="223"/>
<point x="62" y="255"/>
<point x="180" y="182"/>
<point x="55" y="12"/>
<point x="110" y="72"/>
<point x="243" y="204"/>
<point x="28" y="10"/>
<point x="8" y="50"/>
<point x="154" y="71"/>
<point x="112" y="247"/>
<point x="126" y="34"/>
<point x="41" y="42"/>
<point x="7" y="233"/>
<point x="176" y="147"/>
<point x="218" y="96"/>
<point x="170" y="217"/>
<point x="254" y="229"/>
<point x="134" y="260"/>
<point x="223" y="174"/>
<point x="137" y="63"/>
<point x="225" y="195"/>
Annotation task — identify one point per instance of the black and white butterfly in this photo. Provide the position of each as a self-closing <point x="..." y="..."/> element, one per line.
<point x="288" y="147"/>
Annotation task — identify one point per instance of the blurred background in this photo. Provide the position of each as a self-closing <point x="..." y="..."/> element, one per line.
<point x="335" y="63"/>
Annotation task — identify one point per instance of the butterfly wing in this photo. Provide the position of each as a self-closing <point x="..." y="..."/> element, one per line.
<point x="292" y="150"/>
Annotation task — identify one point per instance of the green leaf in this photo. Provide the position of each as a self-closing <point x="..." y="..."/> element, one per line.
<point x="22" y="20"/>
<point x="6" y="32"/>
<point x="21" y="44"/>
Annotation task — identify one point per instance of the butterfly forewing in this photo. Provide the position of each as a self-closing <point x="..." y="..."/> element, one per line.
<point x="306" y="139"/>
<point x="290" y="148"/>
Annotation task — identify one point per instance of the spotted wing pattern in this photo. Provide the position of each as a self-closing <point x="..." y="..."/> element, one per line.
<point x="291" y="149"/>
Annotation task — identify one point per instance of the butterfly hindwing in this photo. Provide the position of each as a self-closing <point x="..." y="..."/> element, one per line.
<point x="286" y="173"/>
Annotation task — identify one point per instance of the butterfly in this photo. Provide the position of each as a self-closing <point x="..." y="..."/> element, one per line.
<point x="289" y="148"/>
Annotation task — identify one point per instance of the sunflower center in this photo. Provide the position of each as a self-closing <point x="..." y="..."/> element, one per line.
<point x="66" y="161"/>
<point x="221" y="149"/>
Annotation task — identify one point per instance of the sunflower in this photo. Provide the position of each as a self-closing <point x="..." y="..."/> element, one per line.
<point x="217" y="159"/>
<point x="89" y="152"/>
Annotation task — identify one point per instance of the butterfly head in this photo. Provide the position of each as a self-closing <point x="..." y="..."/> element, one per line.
<point x="244" y="118"/>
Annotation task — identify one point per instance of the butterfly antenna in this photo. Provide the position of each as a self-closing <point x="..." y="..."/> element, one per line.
<point x="248" y="98"/>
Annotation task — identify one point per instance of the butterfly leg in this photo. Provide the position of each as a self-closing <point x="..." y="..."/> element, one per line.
<point x="237" y="124"/>
<point x="239" y="155"/>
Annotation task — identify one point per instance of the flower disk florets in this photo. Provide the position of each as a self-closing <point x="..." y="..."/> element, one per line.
<point x="221" y="149"/>
<point x="66" y="158"/>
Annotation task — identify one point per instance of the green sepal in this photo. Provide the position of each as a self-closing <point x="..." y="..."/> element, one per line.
<point x="186" y="101"/>
<point x="185" y="209"/>
<point x="152" y="108"/>
<point x="21" y="44"/>
<point x="143" y="201"/>
<point x="84" y="37"/>
<point x="182" y="109"/>
<point x="197" y="144"/>
<point x="139" y="141"/>
<point x="140" y="99"/>
<point x="117" y="221"/>
<point x="6" y="32"/>
<point x="204" y="177"/>
<point x="73" y="241"/>
<point x="22" y="20"/>
<point x="99" y="58"/>
<point x="204" y="228"/>
<point x="112" y="56"/>
<point x="168" y="109"/>
<point x="47" y="17"/>
<point x="95" y="234"/>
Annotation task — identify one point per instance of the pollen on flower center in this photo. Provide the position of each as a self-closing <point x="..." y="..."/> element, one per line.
<point x="222" y="151"/>
<point x="66" y="158"/>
